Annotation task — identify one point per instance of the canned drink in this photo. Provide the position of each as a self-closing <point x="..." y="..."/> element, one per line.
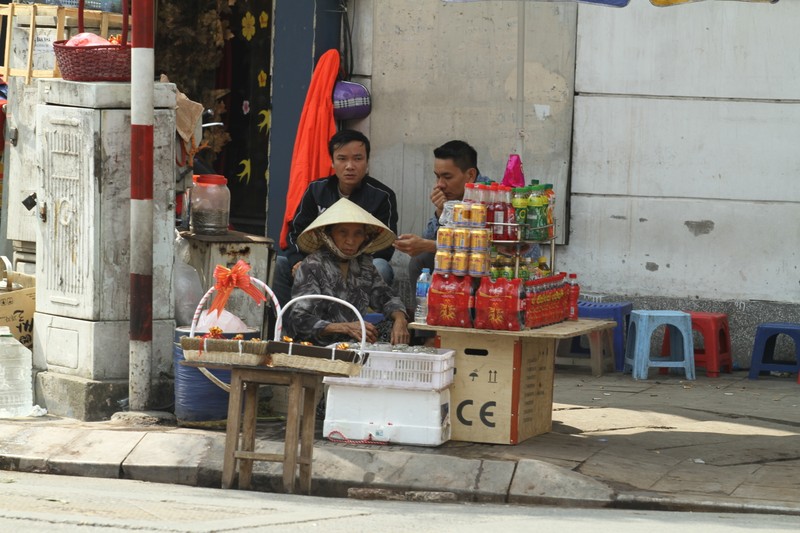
<point x="461" y="239"/>
<point x="479" y="239"/>
<point x="460" y="264"/>
<point x="478" y="264"/>
<point x="477" y="215"/>
<point x="444" y="238"/>
<point x="461" y="215"/>
<point x="443" y="261"/>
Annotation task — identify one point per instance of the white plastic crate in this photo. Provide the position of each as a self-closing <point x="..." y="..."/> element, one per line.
<point x="397" y="416"/>
<point x="403" y="370"/>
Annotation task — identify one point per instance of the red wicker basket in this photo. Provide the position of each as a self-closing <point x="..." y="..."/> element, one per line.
<point x="95" y="63"/>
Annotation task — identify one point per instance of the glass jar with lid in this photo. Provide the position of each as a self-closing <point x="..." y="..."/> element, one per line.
<point x="210" y="205"/>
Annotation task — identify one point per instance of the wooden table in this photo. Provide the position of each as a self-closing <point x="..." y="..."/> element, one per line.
<point x="600" y="333"/>
<point x="502" y="389"/>
<point x="242" y="412"/>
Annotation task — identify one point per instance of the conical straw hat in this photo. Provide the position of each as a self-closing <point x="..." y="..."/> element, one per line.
<point x="346" y="212"/>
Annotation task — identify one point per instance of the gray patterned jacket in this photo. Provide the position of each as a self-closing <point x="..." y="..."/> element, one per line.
<point x="319" y="273"/>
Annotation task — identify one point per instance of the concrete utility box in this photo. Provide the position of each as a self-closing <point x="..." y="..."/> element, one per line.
<point x="81" y="331"/>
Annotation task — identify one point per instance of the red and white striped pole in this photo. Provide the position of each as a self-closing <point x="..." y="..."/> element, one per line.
<point x="142" y="87"/>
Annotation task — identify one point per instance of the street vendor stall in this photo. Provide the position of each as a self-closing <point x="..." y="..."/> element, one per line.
<point x="503" y="314"/>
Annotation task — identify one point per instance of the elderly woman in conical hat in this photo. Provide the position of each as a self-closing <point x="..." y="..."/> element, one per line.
<point x="339" y="243"/>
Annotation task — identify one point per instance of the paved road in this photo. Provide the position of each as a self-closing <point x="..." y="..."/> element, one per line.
<point x="35" y="502"/>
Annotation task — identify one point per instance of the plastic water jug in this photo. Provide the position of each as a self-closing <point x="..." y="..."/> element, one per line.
<point x="16" y="371"/>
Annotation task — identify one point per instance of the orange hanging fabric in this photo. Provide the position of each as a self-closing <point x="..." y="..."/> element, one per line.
<point x="310" y="158"/>
<point x="232" y="278"/>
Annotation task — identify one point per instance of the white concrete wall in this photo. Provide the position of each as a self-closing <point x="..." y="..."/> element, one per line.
<point x="683" y="174"/>
<point x="449" y="71"/>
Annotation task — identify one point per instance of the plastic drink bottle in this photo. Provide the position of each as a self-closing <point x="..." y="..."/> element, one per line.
<point x="16" y="382"/>
<point x="574" y="294"/>
<point x="511" y="230"/>
<point x="423" y="286"/>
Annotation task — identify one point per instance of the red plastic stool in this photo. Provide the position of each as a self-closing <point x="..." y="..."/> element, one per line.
<point x="716" y="352"/>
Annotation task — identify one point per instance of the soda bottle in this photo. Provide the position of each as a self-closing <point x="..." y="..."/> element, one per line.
<point x="543" y="267"/>
<point x="511" y="230"/>
<point x="519" y="201"/>
<point x="550" y="194"/>
<point x="423" y="286"/>
<point x="573" y="295"/>
<point x="470" y="193"/>
<point x="497" y="214"/>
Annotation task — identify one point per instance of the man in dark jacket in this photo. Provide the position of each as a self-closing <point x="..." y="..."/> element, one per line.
<point x="349" y="150"/>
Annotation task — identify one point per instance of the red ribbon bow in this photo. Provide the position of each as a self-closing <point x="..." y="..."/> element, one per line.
<point x="231" y="278"/>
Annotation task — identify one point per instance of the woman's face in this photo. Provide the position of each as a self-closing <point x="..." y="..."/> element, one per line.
<point x="349" y="237"/>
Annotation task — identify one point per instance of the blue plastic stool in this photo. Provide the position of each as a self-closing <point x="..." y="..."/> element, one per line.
<point x="763" y="357"/>
<point x="640" y="331"/>
<point x="618" y="311"/>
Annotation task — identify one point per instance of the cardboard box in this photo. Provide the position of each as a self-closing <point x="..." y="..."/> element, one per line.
<point x="17" y="303"/>
<point x="503" y="385"/>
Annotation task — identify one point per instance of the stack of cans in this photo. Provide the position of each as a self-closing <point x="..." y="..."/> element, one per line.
<point x="462" y="250"/>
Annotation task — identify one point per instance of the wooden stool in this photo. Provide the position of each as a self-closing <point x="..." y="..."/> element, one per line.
<point x="303" y="387"/>
<point x="715" y="355"/>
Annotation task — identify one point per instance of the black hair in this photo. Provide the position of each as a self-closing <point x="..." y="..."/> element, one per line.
<point x="340" y="138"/>
<point x="461" y="153"/>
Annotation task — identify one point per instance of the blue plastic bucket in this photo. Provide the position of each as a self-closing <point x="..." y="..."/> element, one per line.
<point x="199" y="401"/>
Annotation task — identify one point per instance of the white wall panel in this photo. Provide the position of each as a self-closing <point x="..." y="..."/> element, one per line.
<point x="718" y="250"/>
<point x="449" y="71"/>
<point x="661" y="147"/>
<point x="710" y="49"/>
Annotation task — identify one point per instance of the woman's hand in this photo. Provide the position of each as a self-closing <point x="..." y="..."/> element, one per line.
<point x="353" y="329"/>
<point x="400" y="334"/>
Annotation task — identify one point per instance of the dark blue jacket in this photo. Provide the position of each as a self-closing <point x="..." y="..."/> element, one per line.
<point x="373" y="196"/>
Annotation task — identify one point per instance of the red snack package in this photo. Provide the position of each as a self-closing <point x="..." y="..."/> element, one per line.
<point x="498" y="304"/>
<point x="546" y="297"/>
<point x="450" y="301"/>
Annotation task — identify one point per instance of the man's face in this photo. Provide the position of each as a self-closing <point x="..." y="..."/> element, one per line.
<point x="450" y="179"/>
<point x="350" y="165"/>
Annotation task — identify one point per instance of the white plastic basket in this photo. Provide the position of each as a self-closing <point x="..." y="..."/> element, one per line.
<point x="404" y="370"/>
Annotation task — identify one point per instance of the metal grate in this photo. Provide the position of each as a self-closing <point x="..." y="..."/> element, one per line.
<point x="592" y="297"/>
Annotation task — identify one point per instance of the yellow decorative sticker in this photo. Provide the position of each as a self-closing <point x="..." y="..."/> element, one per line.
<point x="248" y="26"/>
<point x="244" y="175"/>
<point x="266" y="120"/>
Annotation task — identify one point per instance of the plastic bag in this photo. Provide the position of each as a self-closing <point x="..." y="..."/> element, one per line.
<point x="87" y="39"/>
<point x="188" y="292"/>
<point x="186" y="283"/>
<point x="227" y="321"/>
<point x="513" y="176"/>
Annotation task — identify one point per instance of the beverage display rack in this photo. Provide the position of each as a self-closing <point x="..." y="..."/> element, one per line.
<point x="518" y="243"/>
